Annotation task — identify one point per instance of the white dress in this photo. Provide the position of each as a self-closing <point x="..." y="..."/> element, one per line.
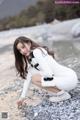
<point x="64" y="78"/>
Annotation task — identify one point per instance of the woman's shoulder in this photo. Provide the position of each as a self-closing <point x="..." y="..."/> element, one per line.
<point x="39" y="50"/>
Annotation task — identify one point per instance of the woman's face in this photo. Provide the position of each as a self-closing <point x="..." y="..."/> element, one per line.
<point x="24" y="49"/>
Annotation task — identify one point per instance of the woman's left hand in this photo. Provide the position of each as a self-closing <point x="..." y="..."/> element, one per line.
<point x="20" y="103"/>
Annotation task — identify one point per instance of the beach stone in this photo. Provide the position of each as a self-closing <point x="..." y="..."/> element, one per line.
<point x="75" y="31"/>
<point x="46" y="110"/>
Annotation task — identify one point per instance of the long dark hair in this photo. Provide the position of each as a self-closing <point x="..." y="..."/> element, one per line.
<point x="21" y="62"/>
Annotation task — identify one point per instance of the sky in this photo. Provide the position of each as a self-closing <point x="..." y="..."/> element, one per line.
<point x="13" y="7"/>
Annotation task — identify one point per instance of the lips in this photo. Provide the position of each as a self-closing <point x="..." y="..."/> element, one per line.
<point x="28" y="54"/>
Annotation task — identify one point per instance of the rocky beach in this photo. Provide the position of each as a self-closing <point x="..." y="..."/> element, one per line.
<point x="38" y="106"/>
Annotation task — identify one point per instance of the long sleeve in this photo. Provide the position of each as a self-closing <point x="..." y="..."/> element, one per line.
<point x="26" y="86"/>
<point x="40" y="58"/>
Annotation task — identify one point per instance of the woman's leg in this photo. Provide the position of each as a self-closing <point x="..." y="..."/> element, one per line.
<point x="36" y="79"/>
<point x="60" y="95"/>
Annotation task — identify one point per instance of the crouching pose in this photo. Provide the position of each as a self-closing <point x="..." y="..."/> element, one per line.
<point x="37" y="64"/>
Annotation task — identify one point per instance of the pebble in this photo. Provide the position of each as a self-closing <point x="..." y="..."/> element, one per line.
<point x="46" y="110"/>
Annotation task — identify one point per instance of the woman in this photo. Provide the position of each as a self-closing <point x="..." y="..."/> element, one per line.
<point x="37" y="64"/>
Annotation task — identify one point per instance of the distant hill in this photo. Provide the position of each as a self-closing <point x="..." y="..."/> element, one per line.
<point x="13" y="7"/>
<point x="43" y="11"/>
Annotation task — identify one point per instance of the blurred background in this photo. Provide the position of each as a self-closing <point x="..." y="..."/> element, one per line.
<point x="24" y="13"/>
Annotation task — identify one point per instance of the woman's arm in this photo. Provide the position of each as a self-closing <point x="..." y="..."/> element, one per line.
<point x="40" y="58"/>
<point x="26" y="86"/>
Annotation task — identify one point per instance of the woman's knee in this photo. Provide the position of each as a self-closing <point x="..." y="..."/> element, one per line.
<point x="36" y="78"/>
